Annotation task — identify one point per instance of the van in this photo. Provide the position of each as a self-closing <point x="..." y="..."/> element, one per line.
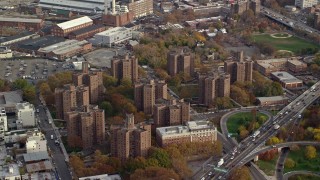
<point x="51" y="136"/>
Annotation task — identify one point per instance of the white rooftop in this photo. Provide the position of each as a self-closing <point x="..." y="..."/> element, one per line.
<point x="74" y="5"/>
<point x="74" y="22"/>
<point x="111" y="31"/>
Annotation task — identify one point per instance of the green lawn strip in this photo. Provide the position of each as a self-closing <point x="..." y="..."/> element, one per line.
<point x="293" y="43"/>
<point x="268" y="167"/>
<point x="303" y="163"/>
<point x="281" y="35"/>
<point x="235" y="120"/>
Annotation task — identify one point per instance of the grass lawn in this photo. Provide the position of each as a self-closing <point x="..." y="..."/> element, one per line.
<point x="239" y="119"/>
<point x="281" y="35"/>
<point x="293" y="43"/>
<point x="302" y="163"/>
<point x="268" y="167"/>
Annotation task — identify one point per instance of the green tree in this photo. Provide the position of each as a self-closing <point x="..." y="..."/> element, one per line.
<point x="161" y="155"/>
<point x="107" y="107"/>
<point x="126" y="82"/>
<point x="109" y="81"/>
<point x="20" y="83"/>
<point x="289" y="163"/>
<point x="310" y="152"/>
<point x="29" y="93"/>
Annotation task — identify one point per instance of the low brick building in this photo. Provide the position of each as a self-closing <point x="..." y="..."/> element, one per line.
<point x="86" y="32"/>
<point x="22" y="23"/>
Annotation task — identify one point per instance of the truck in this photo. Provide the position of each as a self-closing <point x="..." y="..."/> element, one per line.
<point x="255" y="134"/>
<point x="220" y="162"/>
<point x="51" y="136"/>
<point x="276" y="126"/>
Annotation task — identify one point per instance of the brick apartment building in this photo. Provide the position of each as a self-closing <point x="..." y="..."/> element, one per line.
<point x="171" y="113"/>
<point x="86" y="126"/>
<point x="140" y="8"/>
<point x="180" y="61"/>
<point x="145" y="95"/>
<point x="93" y="80"/>
<point x="239" y="70"/>
<point x="65" y="28"/>
<point x="86" y="88"/>
<point x="22" y="23"/>
<point x="214" y="86"/>
<point x="131" y="140"/>
<point x="194" y="131"/>
<point x="86" y="32"/>
<point x="243" y="5"/>
<point x="70" y="97"/>
<point x="125" y="67"/>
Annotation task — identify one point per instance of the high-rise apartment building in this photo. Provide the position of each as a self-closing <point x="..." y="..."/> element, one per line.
<point x="171" y="113"/>
<point x="305" y="3"/>
<point x="125" y="67"/>
<point x="145" y="95"/>
<point x="85" y="126"/>
<point x="194" y="131"/>
<point x="131" y="140"/>
<point x="243" y="5"/>
<point x="214" y="86"/>
<point x="180" y="61"/>
<point x="140" y="8"/>
<point x="239" y="70"/>
<point x="91" y="79"/>
<point x="70" y="97"/>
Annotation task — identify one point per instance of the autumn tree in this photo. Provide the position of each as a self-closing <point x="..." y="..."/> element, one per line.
<point x="156" y="173"/>
<point x="273" y="140"/>
<point x="241" y="173"/>
<point x="289" y="163"/>
<point x="268" y="155"/>
<point x="310" y="152"/>
<point x="109" y="81"/>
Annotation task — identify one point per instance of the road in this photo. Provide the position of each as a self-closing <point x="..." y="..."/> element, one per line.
<point x="58" y="157"/>
<point x="280" y="163"/>
<point x="285" y="20"/>
<point x="287" y="175"/>
<point x="292" y="111"/>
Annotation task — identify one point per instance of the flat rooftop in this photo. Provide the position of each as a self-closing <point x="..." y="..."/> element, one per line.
<point x="286" y="77"/>
<point x="191" y="126"/>
<point x="74" y="5"/>
<point x="11" y="97"/>
<point x="36" y="156"/>
<point x="63" y="47"/>
<point x="35" y="44"/>
<point x="112" y="31"/>
<point x="25" y="20"/>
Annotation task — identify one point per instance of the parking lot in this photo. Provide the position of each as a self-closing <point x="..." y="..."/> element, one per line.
<point x="102" y="57"/>
<point x="31" y="69"/>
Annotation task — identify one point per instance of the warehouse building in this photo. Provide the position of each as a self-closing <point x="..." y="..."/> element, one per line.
<point x="66" y="49"/>
<point x="86" y="32"/>
<point x="20" y="37"/>
<point x="287" y="80"/>
<point x="65" y="28"/>
<point x="22" y="23"/>
<point x="112" y="36"/>
<point x="80" y="6"/>
<point x="31" y="46"/>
